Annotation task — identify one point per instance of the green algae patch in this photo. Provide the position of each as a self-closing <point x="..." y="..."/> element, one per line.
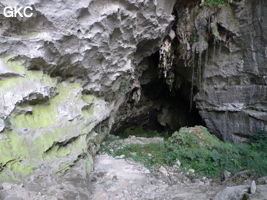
<point x="18" y="67"/>
<point x="28" y="35"/>
<point x="25" y="36"/>
<point x="9" y="83"/>
<point x="50" y="131"/>
<point x="42" y="115"/>
<point x="91" y="107"/>
<point x="13" y="147"/>
<point x="88" y="110"/>
<point x="74" y="146"/>
<point x="89" y="164"/>
<point x="14" y="65"/>
<point x="20" y="169"/>
<point x="54" y="142"/>
<point x="61" y="142"/>
<point x="25" y="80"/>
<point x="89" y="98"/>
<point x="46" y="140"/>
<point x="63" y="167"/>
<point x="28" y="74"/>
<point x="5" y="155"/>
<point x="15" y="171"/>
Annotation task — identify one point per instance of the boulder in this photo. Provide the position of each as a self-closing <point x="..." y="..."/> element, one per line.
<point x="233" y="193"/>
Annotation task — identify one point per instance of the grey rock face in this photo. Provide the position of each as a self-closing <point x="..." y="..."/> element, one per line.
<point x="99" y="41"/>
<point x="230" y="73"/>
<point x="234" y="193"/>
<point x="242" y="192"/>
<point x="63" y="75"/>
<point x="234" y="97"/>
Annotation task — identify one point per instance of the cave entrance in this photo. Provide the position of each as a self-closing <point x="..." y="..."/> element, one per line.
<point x="160" y="111"/>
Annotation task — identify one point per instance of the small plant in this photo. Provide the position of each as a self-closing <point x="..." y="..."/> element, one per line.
<point x="215" y="3"/>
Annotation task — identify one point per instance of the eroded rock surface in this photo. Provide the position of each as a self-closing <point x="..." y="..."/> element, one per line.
<point x="63" y="75"/>
<point x="223" y="52"/>
<point x="236" y="91"/>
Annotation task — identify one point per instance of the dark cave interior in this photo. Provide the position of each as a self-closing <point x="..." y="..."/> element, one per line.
<point x="169" y="110"/>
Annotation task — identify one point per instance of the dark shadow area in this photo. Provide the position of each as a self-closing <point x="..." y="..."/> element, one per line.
<point x="160" y="111"/>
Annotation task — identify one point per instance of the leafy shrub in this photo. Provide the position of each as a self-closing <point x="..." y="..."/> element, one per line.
<point x="198" y="149"/>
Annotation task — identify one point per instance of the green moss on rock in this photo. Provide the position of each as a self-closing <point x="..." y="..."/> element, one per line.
<point x="53" y="131"/>
<point x="43" y="115"/>
<point x="28" y="74"/>
<point x="13" y="147"/>
<point x="77" y="146"/>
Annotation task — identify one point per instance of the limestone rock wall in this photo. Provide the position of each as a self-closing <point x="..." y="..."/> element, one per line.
<point x="63" y="75"/>
<point x="226" y="48"/>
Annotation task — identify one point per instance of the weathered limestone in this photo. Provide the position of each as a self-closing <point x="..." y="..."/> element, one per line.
<point x="230" y="72"/>
<point x="45" y="122"/>
<point x="234" y="102"/>
<point x="63" y="75"/>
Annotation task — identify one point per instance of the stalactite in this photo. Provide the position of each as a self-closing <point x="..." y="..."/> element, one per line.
<point x="192" y="81"/>
<point x="166" y="62"/>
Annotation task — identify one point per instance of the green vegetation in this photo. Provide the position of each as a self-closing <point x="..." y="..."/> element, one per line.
<point x="215" y="3"/>
<point x="151" y="155"/>
<point x="124" y="87"/>
<point x="25" y="36"/>
<point x="196" y="148"/>
<point x="141" y="132"/>
<point x="43" y="115"/>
